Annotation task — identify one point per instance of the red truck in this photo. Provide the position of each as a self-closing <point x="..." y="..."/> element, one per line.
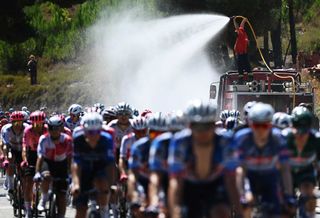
<point x="283" y="89"/>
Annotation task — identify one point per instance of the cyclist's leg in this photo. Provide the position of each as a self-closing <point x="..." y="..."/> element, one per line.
<point x="220" y="211"/>
<point x="81" y="201"/>
<point x="28" y="191"/>
<point x="45" y="184"/>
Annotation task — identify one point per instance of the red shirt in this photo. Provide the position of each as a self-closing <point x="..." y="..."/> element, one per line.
<point x="242" y="41"/>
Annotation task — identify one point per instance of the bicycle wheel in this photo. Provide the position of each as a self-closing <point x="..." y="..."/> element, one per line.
<point x="52" y="206"/>
<point x="20" y="198"/>
<point x="36" y="202"/>
<point x="123" y="202"/>
<point x="14" y="200"/>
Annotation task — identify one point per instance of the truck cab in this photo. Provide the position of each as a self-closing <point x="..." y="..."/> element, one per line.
<point x="283" y="89"/>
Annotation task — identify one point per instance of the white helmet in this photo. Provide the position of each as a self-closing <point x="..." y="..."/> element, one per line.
<point x="139" y="123"/>
<point x="261" y="113"/>
<point x="75" y="109"/>
<point x="282" y="120"/>
<point x="92" y="121"/>
<point x="200" y="112"/>
<point x="25" y="115"/>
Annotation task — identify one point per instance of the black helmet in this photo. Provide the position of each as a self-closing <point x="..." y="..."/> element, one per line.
<point x="301" y="119"/>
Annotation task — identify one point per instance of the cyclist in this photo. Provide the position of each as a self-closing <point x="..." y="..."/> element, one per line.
<point x="99" y="107"/>
<point x="264" y="157"/>
<point x="29" y="154"/>
<point x="109" y="114"/>
<point x="303" y="144"/>
<point x="12" y="134"/>
<point x="121" y="125"/>
<point x="73" y="120"/>
<point x="53" y="162"/>
<point x="158" y="163"/>
<point x="246" y="109"/>
<point x="140" y="130"/>
<point x="138" y="162"/>
<point x="281" y="120"/>
<point x="202" y="180"/>
<point x="93" y="164"/>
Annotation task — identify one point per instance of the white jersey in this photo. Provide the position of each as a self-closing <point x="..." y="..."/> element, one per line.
<point x="12" y="139"/>
<point x="71" y="125"/>
<point x="126" y="144"/>
<point x="119" y="133"/>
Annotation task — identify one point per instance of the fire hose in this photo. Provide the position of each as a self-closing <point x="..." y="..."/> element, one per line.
<point x="268" y="67"/>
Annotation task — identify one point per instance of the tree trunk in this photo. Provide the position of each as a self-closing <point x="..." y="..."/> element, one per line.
<point x="276" y="45"/>
<point x="293" y="39"/>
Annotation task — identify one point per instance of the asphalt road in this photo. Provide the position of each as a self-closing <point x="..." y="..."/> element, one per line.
<point x="6" y="210"/>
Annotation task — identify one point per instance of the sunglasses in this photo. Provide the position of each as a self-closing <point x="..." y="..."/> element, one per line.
<point x="92" y="132"/>
<point x="261" y="125"/>
<point x="54" y="128"/>
<point x="201" y="127"/>
<point x="17" y="123"/>
<point x="35" y="125"/>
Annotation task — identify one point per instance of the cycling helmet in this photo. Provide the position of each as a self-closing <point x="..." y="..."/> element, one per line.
<point x="25" y="115"/>
<point x="284" y="121"/>
<point x="261" y="113"/>
<point x="177" y="121"/>
<point x="301" y="118"/>
<point x="123" y="108"/>
<point x="234" y="113"/>
<point x="247" y="108"/>
<point x="99" y="106"/>
<point x="231" y="123"/>
<point x="38" y="117"/>
<point x="276" y="117"/>
<point x="158" y="122"/>
<point x="16" y="116"/>
<point x="43" y="108"/>
<point x="55" y="121"/>
<point x="200" y="112"/>
<point x="135" y="112"/>
<point x="24" y="108"/>
<point x="224" y="115"/>
<point x="146" y="112"/>
<point x="109" y="112"/>
<point x="92" y="121"/>
<point x="11" y="110"/>
<point x="75" y="109"/>
<point x="139" y="123"/>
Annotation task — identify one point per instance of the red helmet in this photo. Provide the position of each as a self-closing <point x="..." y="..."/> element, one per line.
<point x="38" y="117"/>
<point x="16" y="116"/>
<point x="146" y="112"/>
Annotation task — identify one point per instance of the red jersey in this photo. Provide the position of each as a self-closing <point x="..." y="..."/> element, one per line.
<point x="55" y="152"/>
<point x="242" y="41"/>
<point x="30" y="138"/>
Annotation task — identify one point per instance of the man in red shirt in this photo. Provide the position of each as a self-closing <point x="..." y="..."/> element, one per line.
<point x="240" y="48"/>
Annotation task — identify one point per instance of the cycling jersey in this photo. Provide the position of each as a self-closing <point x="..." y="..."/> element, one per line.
<point x="303" y="160"/>
<point x="91" y="159"/>
<point x="71" y="125"/>
<point x="119" y="133"/>
<point x="12" y="139"/>
<point x="126" y="143"/>
<point x="262" y="165"/>
<point x="55" y="152"/>
<point x="181" y="158"/>
<point x="139" y="155"/>
<point x="31" y="138"/>
<point x="159" y="152"/>
<point x="200" y="195"/>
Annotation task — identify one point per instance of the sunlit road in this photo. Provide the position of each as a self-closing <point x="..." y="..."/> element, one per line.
<point x="7" y="211"/>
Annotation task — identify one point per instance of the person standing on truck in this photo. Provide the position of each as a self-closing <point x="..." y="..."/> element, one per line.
<point x="241" y="50"/>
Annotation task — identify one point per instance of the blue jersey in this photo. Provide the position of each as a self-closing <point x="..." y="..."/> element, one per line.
<point x="181" y="159"/>
<point x="159" y="152"/>
<point x="93" y="158"/>
<point x="262" y="160"/>
<point x="139" y="154"/>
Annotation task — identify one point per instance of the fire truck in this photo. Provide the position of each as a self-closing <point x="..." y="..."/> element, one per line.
<point x="282" y="88"/>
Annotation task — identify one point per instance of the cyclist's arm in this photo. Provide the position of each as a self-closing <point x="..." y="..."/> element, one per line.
<point x="75" y="172"/>
<point x="286" y="178"/>
<point x="24" y="153"/>
<point x="39" y="164"/>
<point x="122" y="165"/>
<point x="174" y="197"/>
<point x="233" y="192"/>
<point x="155" y="180"/>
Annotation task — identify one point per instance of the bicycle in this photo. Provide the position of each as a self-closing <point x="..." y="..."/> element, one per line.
<point x="53" y="207"/>
<point x="17" y="197"/>
<point x="121" y="192"/>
